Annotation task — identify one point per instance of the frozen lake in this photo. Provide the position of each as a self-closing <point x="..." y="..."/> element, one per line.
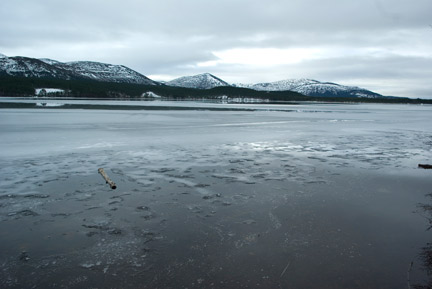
<point x="213" y="195"/>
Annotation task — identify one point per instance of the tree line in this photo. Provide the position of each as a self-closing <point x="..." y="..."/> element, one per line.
<point x="23" y="86"/>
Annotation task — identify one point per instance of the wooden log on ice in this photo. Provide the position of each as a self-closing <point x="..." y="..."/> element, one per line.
<point x="424" y="166"/>
<point x="107" y="179"/>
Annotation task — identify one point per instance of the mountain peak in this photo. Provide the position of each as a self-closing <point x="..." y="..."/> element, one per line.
<point x="199" y="81"/>
<point x="49" y="61"/>
<point x="206" y="74"/>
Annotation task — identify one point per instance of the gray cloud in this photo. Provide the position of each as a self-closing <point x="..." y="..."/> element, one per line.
<point x="370" y="41"/>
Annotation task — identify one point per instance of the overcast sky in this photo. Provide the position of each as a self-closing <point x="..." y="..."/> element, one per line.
<point x="381" y="45"/>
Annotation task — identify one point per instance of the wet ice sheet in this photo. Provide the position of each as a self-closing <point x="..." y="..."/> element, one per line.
<point x="320" y="199"/>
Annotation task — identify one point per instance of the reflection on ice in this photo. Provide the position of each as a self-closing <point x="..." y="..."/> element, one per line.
<point x="100" y="145"/>
<point x="49" y="104"/>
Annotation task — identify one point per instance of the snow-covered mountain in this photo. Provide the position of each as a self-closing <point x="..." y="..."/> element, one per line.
<point x="31" y="67"/>
<point x="48" y="68"/>
<point x="200" y="81"/>
<point x="105" y="72"/>
<point x="312" y="87"/>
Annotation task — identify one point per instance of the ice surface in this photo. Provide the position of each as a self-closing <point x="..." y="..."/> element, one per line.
<point x="211" y="198"/>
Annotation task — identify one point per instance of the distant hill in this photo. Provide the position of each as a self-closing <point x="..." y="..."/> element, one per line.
<point x="315" y="88"/>
<point x="307" y="87"/>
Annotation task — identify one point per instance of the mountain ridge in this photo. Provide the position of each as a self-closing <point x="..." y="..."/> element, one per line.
<point x="308" y="87"/>
<point x="20" y="66"/>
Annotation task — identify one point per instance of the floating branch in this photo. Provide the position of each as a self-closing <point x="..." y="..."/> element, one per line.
<point x="424" y="166"/>
<point x="107" y="179"/>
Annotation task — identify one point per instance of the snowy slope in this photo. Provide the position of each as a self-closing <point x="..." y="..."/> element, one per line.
<point x="312" y="87"/>
<point x="49" y="61"/>
<point x="200" y="81"/>
<point x="49" y="68"/>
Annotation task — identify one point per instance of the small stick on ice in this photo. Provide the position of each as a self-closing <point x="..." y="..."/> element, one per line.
<point x="284" y="270"/>
<point x="408" y="274"/>
<point x="107" y="179"/>
<point x="425" y="166"/>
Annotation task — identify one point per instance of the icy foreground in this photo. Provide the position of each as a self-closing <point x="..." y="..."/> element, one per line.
<point x="304" y="196"/>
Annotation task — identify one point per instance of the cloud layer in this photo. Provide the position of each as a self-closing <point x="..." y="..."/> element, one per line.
<point x="382" y="45"/>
